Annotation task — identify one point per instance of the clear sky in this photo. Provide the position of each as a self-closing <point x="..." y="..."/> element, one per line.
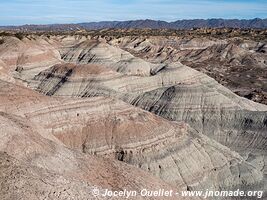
<point x="17" y="12"/>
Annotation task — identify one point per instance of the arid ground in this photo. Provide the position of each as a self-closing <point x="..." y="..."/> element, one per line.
<point x="131" y="109"/>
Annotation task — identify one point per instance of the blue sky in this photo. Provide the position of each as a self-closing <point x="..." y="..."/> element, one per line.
<point x="17" y="12"/>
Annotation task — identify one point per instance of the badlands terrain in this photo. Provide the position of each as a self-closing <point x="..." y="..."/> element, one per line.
<point x="132" y="109"/>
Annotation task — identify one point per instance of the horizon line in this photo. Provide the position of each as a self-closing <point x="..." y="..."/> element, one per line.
<point x="77" y="23"/>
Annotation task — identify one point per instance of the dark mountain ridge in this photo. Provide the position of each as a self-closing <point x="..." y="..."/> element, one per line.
<point x="256" y="23"/>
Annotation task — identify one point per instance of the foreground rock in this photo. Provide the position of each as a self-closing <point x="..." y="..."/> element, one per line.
<point x="34" y="164"/>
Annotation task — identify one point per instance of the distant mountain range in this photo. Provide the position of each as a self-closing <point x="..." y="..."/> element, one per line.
<point x="152" y="24"/>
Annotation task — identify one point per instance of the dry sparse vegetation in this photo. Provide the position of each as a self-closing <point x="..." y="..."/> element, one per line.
<point x="19" y="35"/>
<point x="220" y="33"/>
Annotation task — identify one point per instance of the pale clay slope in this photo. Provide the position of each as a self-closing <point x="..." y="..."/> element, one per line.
<point x="27" y="56"/>
<point x="121" y="61"/>
<point x="36" y="165"/>
<point x="102" y="126"/>
<point x="166" y="90"/>
<point x="239" y="63"/>
<point x="221" y="107"/>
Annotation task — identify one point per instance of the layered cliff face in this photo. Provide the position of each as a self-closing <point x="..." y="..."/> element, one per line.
<point x="238" y="63"/>
<point x="30" y="55"/>
<point x="106" y="127"/>
<point x="103" y="105"/>
<point x="35" y="164"/>
<point x="118" y="60"/>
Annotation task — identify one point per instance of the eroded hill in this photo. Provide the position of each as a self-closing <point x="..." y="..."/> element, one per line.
<point x="116" y="112"/>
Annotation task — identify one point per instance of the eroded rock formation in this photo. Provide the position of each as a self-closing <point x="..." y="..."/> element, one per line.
<point x="104" y="113"/>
